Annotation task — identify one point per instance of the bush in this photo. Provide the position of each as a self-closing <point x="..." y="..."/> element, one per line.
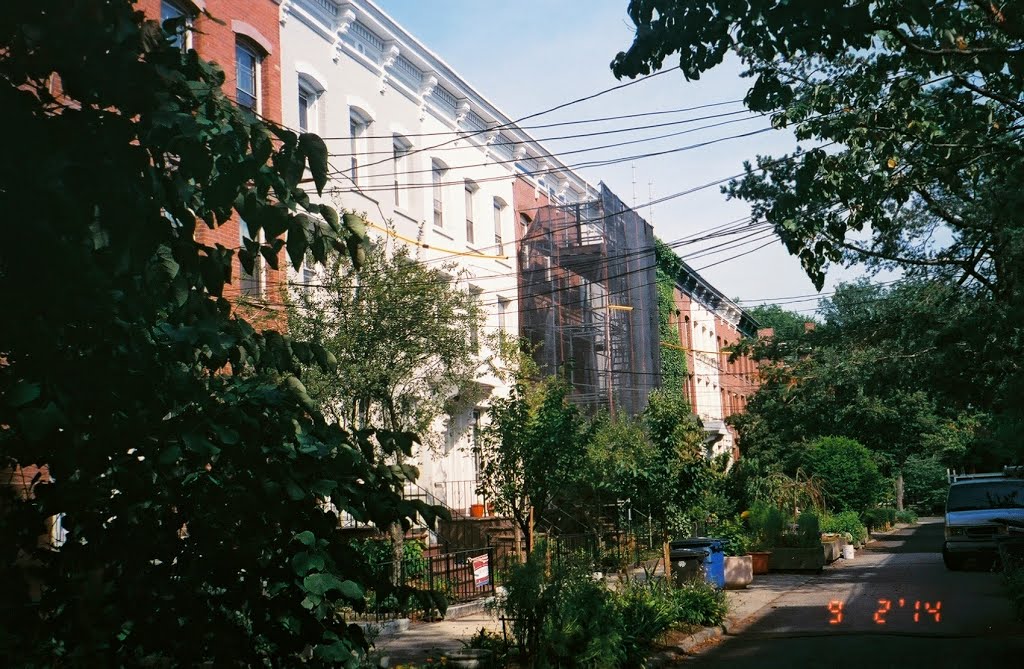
<point x="700" y="603"/>
<point x="766" y="525"/>
<point x="847" y="472"/>
<point x="879" y="517"/>
<point x="906" y="516"/>
<point x="808" y="528"/>
<point x="647" y="610"/>
<point x="737" y="539"/>
<point x="845" y="522"/>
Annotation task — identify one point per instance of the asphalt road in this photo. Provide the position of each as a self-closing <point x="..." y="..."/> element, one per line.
<point x="894" y="605"/>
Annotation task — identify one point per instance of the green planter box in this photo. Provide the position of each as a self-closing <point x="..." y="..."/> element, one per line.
<point x="797" y="559"/>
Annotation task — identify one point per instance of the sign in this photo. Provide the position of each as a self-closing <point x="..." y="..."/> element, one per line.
<point x="481" y="571"/>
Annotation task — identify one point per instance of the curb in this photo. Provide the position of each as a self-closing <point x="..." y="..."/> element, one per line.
<point x="729" y="627"/>
<point x="469" y="608"/>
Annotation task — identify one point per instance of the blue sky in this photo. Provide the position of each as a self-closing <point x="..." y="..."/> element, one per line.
<point x="530" y="55"/>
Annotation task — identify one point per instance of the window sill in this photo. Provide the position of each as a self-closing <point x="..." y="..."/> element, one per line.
<point x="443" y="233"/>
<point x="404" y="214"/>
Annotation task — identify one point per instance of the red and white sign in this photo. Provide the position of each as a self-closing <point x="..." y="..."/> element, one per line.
<point x="481" y="571"/>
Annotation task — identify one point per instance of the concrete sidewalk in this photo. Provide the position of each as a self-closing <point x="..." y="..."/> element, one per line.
<point x="423" y="640"/>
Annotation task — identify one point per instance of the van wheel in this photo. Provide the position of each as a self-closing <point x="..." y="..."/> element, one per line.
<point x="952" y="562"/>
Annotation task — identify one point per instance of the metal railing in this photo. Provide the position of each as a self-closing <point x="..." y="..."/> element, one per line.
<point x="459" y="576"/>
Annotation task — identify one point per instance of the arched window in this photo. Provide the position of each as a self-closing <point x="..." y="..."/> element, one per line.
<point x="471" y="189"/>
<point x="499" y="214"/>
<point x="437" y="171"/>
<point x="400" y="148"/>
<point x="309" y="95"/>
<point x="359" y="123"/>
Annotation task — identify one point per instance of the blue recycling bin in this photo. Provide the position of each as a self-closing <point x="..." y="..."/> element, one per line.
<point x="714" y="556"/>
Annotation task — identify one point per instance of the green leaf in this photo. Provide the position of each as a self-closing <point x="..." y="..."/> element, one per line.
<point x="199" y="444"/>
<point x="306" y="538"/>
<point x="38" y="424"/>
<point x="22" y="393"/>
<point x="303" y="563"/>
<point x="322" y="583"/>
<point x="315" y="150"/>
<point x="331" y="216"/>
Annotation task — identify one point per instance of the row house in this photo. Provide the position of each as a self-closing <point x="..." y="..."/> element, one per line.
<point x="431" y="162"/>
<point x="243" y="38"/>
<point x="718" y="386"/>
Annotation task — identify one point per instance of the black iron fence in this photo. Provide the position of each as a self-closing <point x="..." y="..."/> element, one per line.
<point x="423" y="585"/>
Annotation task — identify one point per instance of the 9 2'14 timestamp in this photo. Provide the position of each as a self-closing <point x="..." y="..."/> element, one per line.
<point x="926" y="611"/>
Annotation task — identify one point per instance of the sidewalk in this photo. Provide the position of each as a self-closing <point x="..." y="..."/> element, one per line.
<point x="746" y="606"/>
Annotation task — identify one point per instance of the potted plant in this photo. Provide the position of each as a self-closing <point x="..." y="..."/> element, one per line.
<point x="766" y="524"/>
<point x="739" y="565"/>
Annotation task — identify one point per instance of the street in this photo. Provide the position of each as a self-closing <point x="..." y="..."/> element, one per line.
<point x="895" y="605"/>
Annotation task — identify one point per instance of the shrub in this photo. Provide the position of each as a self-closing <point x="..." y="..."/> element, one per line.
<point x="879" y="517"/>
<point x="647" y="610"/>
<point x="737" y="539"/>
<point x="766" y="525"/>
<point x="849" y="477"/>
<point x="1013" y="581"/>
<point x="700" y="603"/>
<point x="845" y="522"/>
<point x="808" y="528"/>
<point x="906" y="516"/>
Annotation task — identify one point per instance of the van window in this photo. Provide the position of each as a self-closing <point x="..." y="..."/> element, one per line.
<point x="989" y="495"/>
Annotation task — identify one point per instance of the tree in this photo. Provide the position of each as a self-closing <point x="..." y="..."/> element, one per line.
<point x="403" y="334"/>
<point x="849" y="477"/>
<point x="190" y="465"/>
<point x="673" y="358"/>
<point x="405" y="340"/>
<point x="533" y="450"/>
<point x="875" y="371"/>
<point x="913" y="109"/>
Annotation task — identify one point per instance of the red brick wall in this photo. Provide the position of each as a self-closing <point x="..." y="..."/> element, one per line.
<point x="215" y="41"/>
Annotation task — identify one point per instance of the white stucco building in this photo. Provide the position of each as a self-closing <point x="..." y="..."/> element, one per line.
<point x="428" y="159"/>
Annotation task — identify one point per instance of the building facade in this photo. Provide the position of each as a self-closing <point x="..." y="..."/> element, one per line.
<point x="243" y="38"/>
<point x="717" y="386"/>
<point x="430" y="162"/>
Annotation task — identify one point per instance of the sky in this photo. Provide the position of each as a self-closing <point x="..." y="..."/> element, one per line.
<point x="530" y="55"/>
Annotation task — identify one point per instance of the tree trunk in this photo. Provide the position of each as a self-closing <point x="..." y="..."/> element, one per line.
<point x="397" y="536"/>
<point x="899" y="490"/>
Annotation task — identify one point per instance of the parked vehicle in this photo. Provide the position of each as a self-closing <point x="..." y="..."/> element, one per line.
<point x="980" y="509"/>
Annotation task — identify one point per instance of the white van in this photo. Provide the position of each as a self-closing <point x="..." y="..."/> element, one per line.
<point x="977" y="507"/>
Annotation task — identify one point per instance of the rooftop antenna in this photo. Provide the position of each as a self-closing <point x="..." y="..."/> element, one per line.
<point x="633" y="166"/>
<point x="650" y="202"/>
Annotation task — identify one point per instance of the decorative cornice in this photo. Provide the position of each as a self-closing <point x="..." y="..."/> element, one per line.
<point x="462" y="111"/>
<point x="389" y="56"/>
<point x="345" y="20"/>
<point x="427" y="87"/>
<point x="286" y="10"/>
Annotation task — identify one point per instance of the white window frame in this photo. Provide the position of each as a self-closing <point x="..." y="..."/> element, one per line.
<point x="243" y="45"/>
<point x="470" y="192"/>
<point x="312" y="98"/>
<point x="184" y="11"/>
<point x="503" y="314"/>
<point x="499" y="215"/>
<point x="400" y="150"/>
<point x="437" y="172"/>
<point x="359" y="124"/>
<point x="259" y="273"/>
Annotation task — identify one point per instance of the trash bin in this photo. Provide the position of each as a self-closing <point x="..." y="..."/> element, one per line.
<point x="714" y="556"/>
<point x="687" y="565"/>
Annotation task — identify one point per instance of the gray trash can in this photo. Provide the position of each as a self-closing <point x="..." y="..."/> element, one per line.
<point x="712" y="556"/>
<point x="687" y="564"/>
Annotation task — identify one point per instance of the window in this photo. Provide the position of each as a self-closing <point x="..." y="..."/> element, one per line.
<point x="251" y="285"/>
<point x="400" y="147"/>
<point x="308" y="276"/>
<point x="172" y="10"/>
<point x="502" y="311"/>
<point x="470" y="193"/>
<point x="437" y="177"/>
<point x="307" y="108"/>
<point x="247" y="71"/>
<point x="498" y="245"/>
<point x="358" y="129"/>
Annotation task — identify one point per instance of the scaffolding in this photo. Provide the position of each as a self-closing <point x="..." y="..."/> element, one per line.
<point x="588" y="301"/>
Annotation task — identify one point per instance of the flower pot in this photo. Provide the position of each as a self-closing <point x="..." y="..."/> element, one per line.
<point x="476" y="510"/>
<point x="739" y="571"/>
<point x="759" y="561"/>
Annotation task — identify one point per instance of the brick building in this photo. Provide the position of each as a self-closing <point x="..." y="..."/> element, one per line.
<point x="709" y="324"/>
<point x="243" y="37"/>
